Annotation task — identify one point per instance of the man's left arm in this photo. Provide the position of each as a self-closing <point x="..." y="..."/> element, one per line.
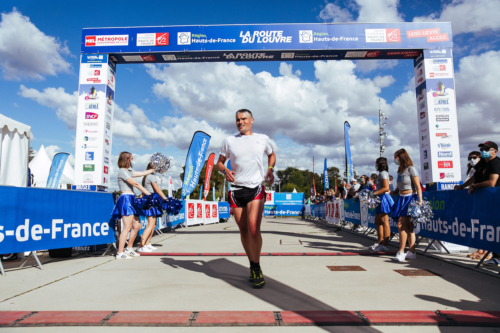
<point x="487" y="183"/>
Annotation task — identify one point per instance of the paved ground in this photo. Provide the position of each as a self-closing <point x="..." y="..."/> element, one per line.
<point x="219" y="283"/>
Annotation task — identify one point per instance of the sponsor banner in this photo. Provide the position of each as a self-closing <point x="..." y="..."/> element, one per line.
<point x="144" y="224"/>
<point x="56" y="170"/>
<point x="201" y="212"/>
<point x="294" y="37"/>
<point x="224" y="212"/>
<point x="194" y="162"/>
<point x="173" y="220"/>
<point x="208" y="174"/>
<point x="26" y="227"/>
<point x="287" y="199"/>
<point x="270" y="195"/>
<point x="283" y="210"/>
<point x="459" y="218"/>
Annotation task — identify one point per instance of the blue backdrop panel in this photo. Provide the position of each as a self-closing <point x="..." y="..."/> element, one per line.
<point x="283" y="210"/>
<point x="144" y="224"/>
<point x="38" y="219"/>
<point x="288" y="198"/>
<point x="174" y="220"/>
<point x="459" y="218"/>
<point x="224" y="212"/>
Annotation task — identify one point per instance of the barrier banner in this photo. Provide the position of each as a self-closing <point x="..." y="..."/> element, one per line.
<point x="194" y="162"/>
<point x="144" y="224"/>
<point x="174" y="220"/>
<point x="283" y="210"/>
<point x="208" y="174"/>
<point x="270" y="195"/>
<point x="224" y="210"/>
<point x="44" y="219"/>
<point x="459" y="218"/>
<point x="211" y="212"/>
<point x="56" y="170"/>
<point x="286" y="199"/>
<point x="307" y="209"/>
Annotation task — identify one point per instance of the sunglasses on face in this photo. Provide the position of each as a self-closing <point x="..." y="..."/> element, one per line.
<point x="472" y="157"/>
<point x="484" y="149"/>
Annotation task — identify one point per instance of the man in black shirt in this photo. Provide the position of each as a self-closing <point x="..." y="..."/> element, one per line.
<point x="488" y="169"/>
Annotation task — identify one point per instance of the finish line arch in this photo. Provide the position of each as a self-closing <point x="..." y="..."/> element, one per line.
<point x="429" y="45"/>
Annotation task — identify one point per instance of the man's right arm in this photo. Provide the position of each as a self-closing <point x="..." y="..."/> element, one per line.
<point x="469" y="182"/>
<point x="220" y="163"/>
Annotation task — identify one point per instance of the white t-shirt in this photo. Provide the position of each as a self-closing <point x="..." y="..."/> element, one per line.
<point x="246" y="153"/>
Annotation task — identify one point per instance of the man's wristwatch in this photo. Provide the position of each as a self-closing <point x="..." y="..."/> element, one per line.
<point x="224" y="171"/>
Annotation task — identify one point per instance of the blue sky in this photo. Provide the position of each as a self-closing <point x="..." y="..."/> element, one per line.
<point x="476" y="40"/>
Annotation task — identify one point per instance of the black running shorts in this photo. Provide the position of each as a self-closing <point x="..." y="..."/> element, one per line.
<point x="241" y="197"/>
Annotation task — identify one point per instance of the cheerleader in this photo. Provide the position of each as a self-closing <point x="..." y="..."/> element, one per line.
<point x="150" y="184"/>
<point x="126" y="208"/>
<point x="385" y="206"/>
<point x="409" y="190"/>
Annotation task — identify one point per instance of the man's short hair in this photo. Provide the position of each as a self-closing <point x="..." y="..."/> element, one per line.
<point x="244" y="111"/>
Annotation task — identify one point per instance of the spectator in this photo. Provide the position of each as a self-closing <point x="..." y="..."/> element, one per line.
<point x="486" y="175"/>
<point x="343" y="193"/>
<point x="372" y="182"/>
<point x="473" y="158"/>
<point x="391" y="185"/>
<point x="408" y="184"/>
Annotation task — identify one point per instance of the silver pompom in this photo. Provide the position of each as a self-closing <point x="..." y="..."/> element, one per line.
<point x="160" y="162"/>
<point x="420" y="213"/>
<point x="369" y="198"/>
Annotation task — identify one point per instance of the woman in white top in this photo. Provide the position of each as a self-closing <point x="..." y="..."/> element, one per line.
<point x="126" y="208"/>
<point x="150" y="184"/>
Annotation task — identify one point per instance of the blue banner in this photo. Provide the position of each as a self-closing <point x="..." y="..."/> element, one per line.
<point x="348" y="157"/>
<point x="56" y="170"/>
<point x="224" y="212"/>
<point x="283" y="210"/>
<point x="201" y="192"/>
<point x="459" y="218"/>
<point x="288" y="198"/>
<point x="173" y="220"/>
<point x="40" y="219"/>
<point x="325" y="175"/>
<point x="194" y="162"/>
<point x="229" y="168"/>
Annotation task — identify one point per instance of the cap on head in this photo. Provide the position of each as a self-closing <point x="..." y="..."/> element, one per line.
<point x="353" y="180"/>
<point x="489" y="144"/>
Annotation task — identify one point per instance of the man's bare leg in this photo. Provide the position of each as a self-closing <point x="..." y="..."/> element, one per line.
<point x="240" y="215"/>
<point x="254" y="213"/>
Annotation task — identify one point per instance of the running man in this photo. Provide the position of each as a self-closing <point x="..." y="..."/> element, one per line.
<point x="247" y="195"/>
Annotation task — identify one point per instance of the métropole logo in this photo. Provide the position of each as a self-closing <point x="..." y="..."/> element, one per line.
<point x="106" y="40"/>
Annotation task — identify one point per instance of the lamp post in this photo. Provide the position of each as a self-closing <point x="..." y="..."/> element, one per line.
<point x="382" y="121"/>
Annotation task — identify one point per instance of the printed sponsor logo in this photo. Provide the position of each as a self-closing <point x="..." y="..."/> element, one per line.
<point x="95" y="66"/>
<point x="438" y="38"/>
<point x="423" y="145"/>
<point x="424" y="137"/>
<point x="190" y="210"/>
<point x="108" y="125"/>
<point x="442" y="117"/>
<point x="305" y="36"/>
<point x="442" y="109"/>
<point x="446" y="175"/>
<point x="106" y="151"/>
<point x="106" y="169"/>
<point x="421" y="105"/>
<point x="420" y="80"/>
<point x="426" y="166"/>
<point x="106" y="141"/>
<point x="183" y="38"/>
<point x="444" y="146"/>
<point x="106" y="40"/>
<point x="423" y="130"/>
<point x="445" y="164"/>
<point x="169" y="57"/>
<point x="207" y="211"/>
<point x="439" y="61"/>
<point x="91" y="106"/>
<point x="269" y="196"/>
<point x="90" y="123"/>
<point x="94" y="80"/>
<point x="422" y="123"/>
<point x="437" y="51"/>
<point x="90" y="132"/>
<point x="422" y="115"/>
<point x="425" y="154"/>
<point x="422" y="33"/>
<point x="95" y="57"/>
<point x="86" y="146"/>
<point x="88" y="179"/>
<point x="248" y="56"/>
<point x="88" y="167"/>
<point x="393" y="35"/>
<point x="269" y="36"/>
<point x="106" y="160"/>
<point x="214" y="211"/>
<point x="89" y="156"/>
<point x="138" y="58"/>
<point x="104" y="180"/>
<point x="406" y="54"/>
<point x="420" y="57"/>
<point x="426" y="175"/>
<point x="153" y="39"/>
<point x="89" y="138"/>
<point x="445" y="154"/>
<point x="91" y="115"/>
<point x="199" y="210"/>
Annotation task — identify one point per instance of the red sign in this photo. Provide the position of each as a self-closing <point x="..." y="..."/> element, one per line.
<point x="162" y="38"/>
<point x="199" y="210"/>
<point x="190" y="210"/>
<point x="106" y="170"/>
<point x="440" y="134"/>
<point x="438" y="38"/>
<point x="422" y="33"/>
<point x="269" y="196"/>
<point x="372" y="54"/>
<point x="148" y="58"/>
<point x="97" y="72"/>
<point x="422" y="115"/>
<point x="208" y="174"/>
<point x="393" y="35"/>
<point x="445" y="164"/>
<point x="207" y="211"/>
<point x="214" y="211"/>
<point x="442" y="175"/>
<point x="89" y="40"/>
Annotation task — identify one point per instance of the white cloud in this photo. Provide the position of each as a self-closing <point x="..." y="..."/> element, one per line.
<point x="370" y="11"/>
<point x="384" y="81"/>
<point x="477" y="16"/>
<point x="26" y="52"/>
<point x="366" y="66"/>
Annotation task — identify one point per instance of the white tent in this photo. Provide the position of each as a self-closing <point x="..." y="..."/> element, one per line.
<point x="14" y="150"/>
<point x="40" y="168"/>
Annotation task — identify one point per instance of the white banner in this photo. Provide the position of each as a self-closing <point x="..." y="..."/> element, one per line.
<point x="269" y="198"/>
<point x="201" y="212"/>
<point x="211" y="212"/>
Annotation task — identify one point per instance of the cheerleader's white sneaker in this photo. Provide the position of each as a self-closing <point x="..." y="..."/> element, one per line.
<point x="373" y="247"/>
<point x="381" y="248"/>
<point x="400" y="257"/>
<point x="151" y="247"/>
<point x="144" y="249"/>
<point x="411" y="256"/>
<point x="122" y="256"/>
<point x="131" y="253"/>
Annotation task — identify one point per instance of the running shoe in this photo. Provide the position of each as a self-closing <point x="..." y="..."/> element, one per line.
<point x="400" y="257"/>
<point x="131" y="253"/>
<point x="251" y="275"/>
<point x="122" y="256"/>
<point x="373" y="247"/>
<point x="151" y="247"/>
<point x="381" y="248"/>
<point x="411" y="256"/>
<point x="144" y="249"/>
<point x="258" y="278"/>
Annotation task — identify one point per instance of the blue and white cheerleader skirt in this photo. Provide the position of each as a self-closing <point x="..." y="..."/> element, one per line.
<point x="386" y="204"/>
<point x="153" y="211"/>
<point x="401" y="206"/>
<point x="125" y="206"/>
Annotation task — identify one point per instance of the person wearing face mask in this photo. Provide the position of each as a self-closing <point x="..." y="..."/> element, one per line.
<point x="487" y="169"/>
<point x="125" y="208"/>
<point x="409" y="190"/>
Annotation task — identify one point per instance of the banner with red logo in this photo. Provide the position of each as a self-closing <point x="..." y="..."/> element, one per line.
<point x="208" y="174"/>
<point x="269" y="198"/>
<point x="200" y="212"/>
